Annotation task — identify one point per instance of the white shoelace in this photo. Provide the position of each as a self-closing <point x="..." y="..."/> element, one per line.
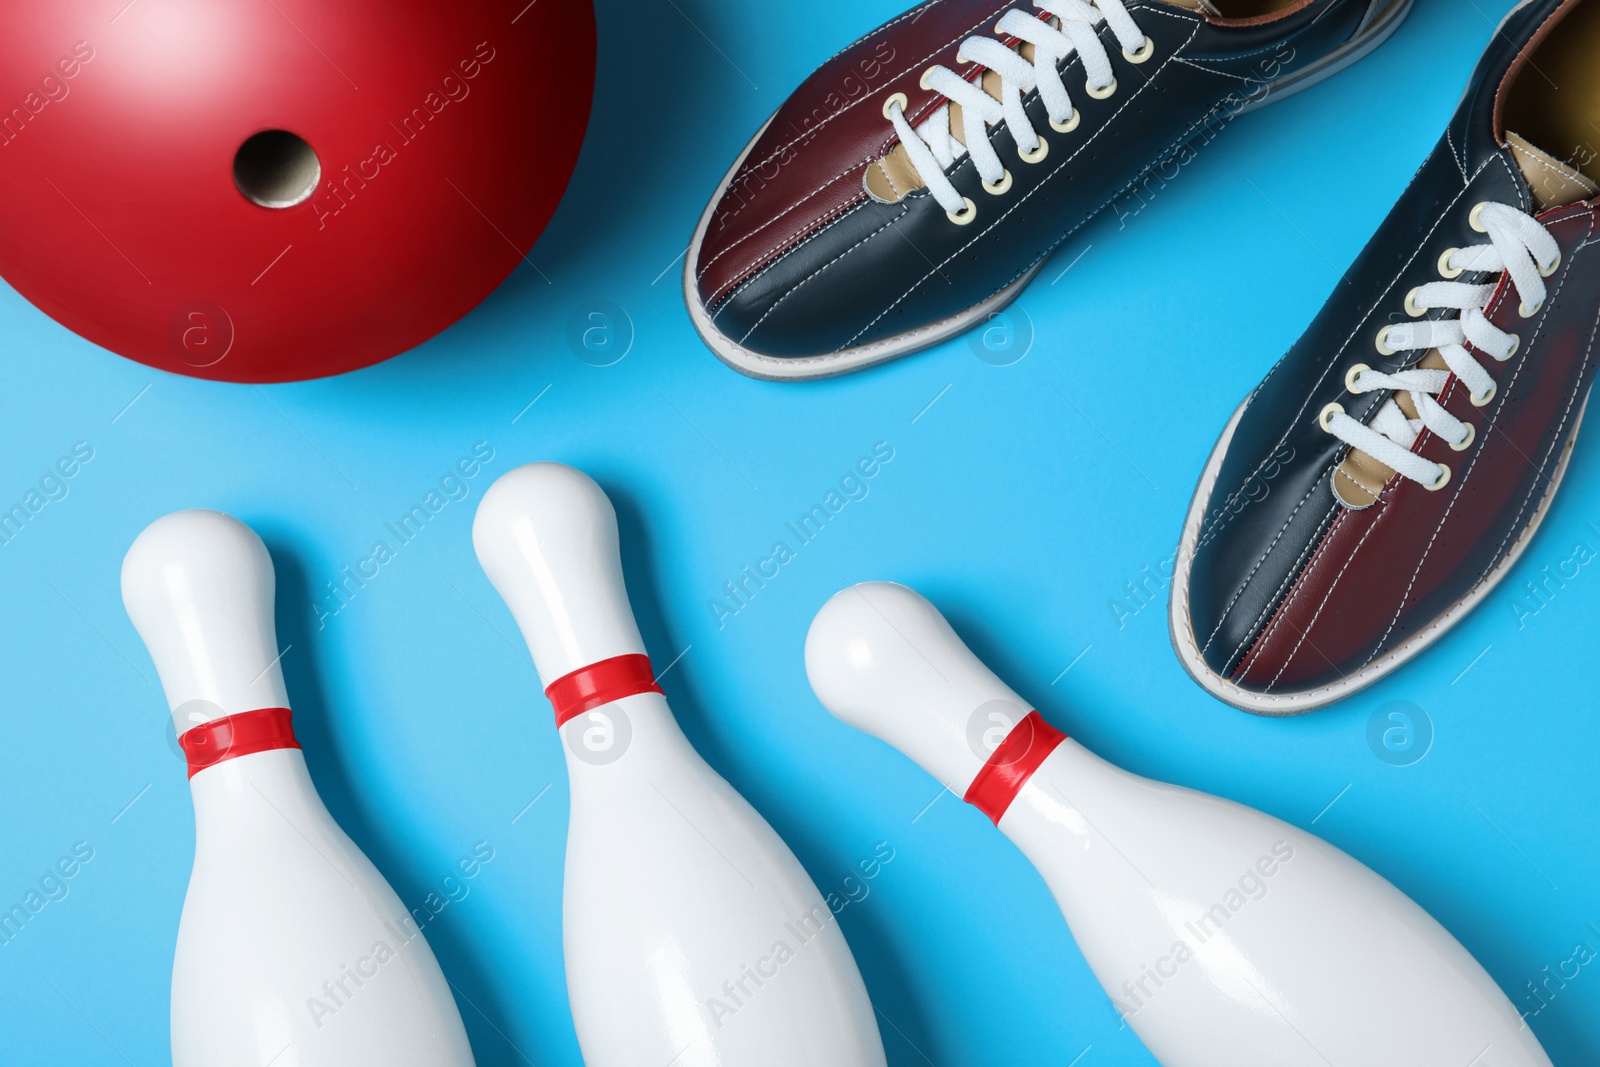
<point x="1519" y="246"/>
<point x="931" y="145"/>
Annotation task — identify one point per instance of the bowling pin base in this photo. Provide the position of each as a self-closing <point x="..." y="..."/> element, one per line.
<point x="683" y="904"/>
<point x="292" y="949"/>
<point x="1225" y="936"/>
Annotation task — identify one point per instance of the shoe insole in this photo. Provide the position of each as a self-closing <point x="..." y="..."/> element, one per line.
<point x="1555" y="100"/>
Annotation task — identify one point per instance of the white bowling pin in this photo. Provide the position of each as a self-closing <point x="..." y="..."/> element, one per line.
<point x="693" y="937"/>
<point x="1224" y="936"/>
<point x="292" y="951"/>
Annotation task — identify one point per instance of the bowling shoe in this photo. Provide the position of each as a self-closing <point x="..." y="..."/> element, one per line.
<point x="918" y="180"/>
<point x="1393" y="466"/>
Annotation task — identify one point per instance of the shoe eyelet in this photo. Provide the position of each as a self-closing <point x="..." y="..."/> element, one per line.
<point x="1483" y="401"/>
<point x="1352" y="374"/>
<point x="1142" y="53"/>
<point x="1465" y="442"/>
<point x="1441" y="481"/>
<point x="1414" y="309"/>
<point x="1037" y="155"/>
<point x="1326" y="417"/>
<point x="1446" y="271"/>
<point x="1516" y="345"/>
<point x="1071" y="124"/>
<point x="1475" y="220"/>
<point x="1529" y="312"/>
<point x="968" y="212"/>
<point x="923" y="80"/>
<point x="1555" y="265"/>
<point x="999" y="188"/>
<point x="1102" y="94"/>
<point x="896" y="98"/>
<point x="1383" y="344"/>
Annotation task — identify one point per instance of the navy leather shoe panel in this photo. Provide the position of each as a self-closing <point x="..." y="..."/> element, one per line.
<point x="1309" y="566"/>
<point x="799" y="270"/>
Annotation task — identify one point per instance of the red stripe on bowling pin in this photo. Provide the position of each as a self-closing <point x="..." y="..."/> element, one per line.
<point x="600" y="683"/>
<point x="237" y="735"/>
<point x="1011" y="764"/>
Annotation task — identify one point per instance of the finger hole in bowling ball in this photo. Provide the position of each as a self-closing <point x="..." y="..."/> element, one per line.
<point x="276" y="169"/>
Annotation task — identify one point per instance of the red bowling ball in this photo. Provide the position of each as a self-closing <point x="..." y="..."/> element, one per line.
<point x="272" y="190"/>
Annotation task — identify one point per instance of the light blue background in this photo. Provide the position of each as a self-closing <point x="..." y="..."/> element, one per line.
<point x="1020" y="499"/>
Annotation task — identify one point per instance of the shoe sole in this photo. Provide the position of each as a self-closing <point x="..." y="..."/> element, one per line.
<point x="1180" y="626"/>
<point x="808" y="368"/>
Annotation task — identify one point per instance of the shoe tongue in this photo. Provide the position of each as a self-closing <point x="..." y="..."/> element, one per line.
<point x="1552" y="182"/>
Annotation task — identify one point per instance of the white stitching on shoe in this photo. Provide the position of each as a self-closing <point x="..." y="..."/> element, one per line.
<point x="1271" y="605"/>
<point x="1556" y="438"/>
<point x="963" y="35"/>
<point x="1455" y="494"/>
<point x="1054" y="171"/>
<point x="801" y="361"/>
<point x="1211" y="70"/>
<point x="1288" y="589"/>
<point x="1588" y="353"/>
<point x="1521" y="249"/>
<point x="1489" y="417"/>
<point x="966" y="161"/>
<point x="1326" y="596"/>
<point x="727" y="299"/>
<point x="1562" y="173"/>
<point x="1455" y="156"/>
<point x="816" y="272"/>
<point x="762" y="259"/>
<point x="1259" y="561"/>
<point x="1226" y="517"/>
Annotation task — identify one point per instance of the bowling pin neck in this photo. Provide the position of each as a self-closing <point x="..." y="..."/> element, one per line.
<point x="198" y="586"/>
<point x="624" y="743"/>
<point x="883" y="659"/>
<point x="546" y="536"/>
<point x="261" y="788"/>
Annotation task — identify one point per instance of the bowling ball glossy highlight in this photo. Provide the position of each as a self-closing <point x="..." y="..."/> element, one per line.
<point x="271" y="191"/>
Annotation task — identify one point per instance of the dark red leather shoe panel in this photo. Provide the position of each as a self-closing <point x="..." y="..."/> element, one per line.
<point x="796" y="271"/>
<point x="1383" y="572"/>
<point x="1286" y="598"/>
<point x="806" y="168"/>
